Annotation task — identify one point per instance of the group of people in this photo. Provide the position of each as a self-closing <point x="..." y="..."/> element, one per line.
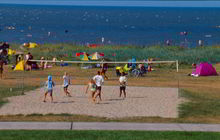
<point x="94" y="86"/>
<point x="50" y="84"/>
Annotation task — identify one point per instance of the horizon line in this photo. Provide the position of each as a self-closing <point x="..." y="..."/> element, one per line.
<point x="186" y="4"/>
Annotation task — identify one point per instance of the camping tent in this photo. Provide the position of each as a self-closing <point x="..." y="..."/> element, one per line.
<point x="20" y="66"/>
<point x="11" y="52"/>
<point x="204" y="69"/>
<point x="96" y="56"/>
<point x="32" y="45"/>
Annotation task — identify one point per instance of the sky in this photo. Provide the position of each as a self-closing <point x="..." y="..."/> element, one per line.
<point x="137" y="3"/>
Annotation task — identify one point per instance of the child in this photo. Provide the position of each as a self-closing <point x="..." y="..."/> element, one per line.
<point x="66" y="83"/>
<point x="122" y="82"/>
<point x="49" y="84"/>
<point x="92" y="87"/>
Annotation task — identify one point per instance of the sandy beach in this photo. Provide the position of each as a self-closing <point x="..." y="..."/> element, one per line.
<point x="140" y="101"/>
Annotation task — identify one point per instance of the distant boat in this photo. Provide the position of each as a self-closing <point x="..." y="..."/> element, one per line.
<point x="208" y="35"/>
<point x="10" y="28"/>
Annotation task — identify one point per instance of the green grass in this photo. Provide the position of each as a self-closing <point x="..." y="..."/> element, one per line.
<point x="199" y="105"/>
<point x="105" y="135"/>
<point x="184" y="55"/>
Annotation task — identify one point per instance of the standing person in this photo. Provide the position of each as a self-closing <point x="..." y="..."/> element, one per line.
<point x="1" y="67"/>
<point x="42" y="63"/>
<point x="122" y="83"/>
<point x="200" y="43"/>
<point x="92" y="87"/>
<point x="99" y="81"/>
<point x="49" y="84"/>
<point x="29" y="56"/>
<point x="104" y="69"/>
<point x="66" y="83"/>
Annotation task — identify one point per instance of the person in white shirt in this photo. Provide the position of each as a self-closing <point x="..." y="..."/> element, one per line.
<point x="122" y="83"/>
<point x="66" y="83"/>
<point x="99" y="81"/>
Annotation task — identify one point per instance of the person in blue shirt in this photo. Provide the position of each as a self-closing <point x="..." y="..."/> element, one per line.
<point x="49" y="85"/>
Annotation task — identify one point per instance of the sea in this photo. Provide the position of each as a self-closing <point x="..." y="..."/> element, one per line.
<point x="139" y="26"/>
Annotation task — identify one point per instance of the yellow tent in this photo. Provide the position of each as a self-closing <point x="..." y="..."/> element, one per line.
<point x="11" y="52"/>
<point x="20" y="66"/>
<point x="33" y="45"/>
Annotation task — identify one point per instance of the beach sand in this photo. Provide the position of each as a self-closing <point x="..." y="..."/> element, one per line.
<point x="140" y="101"/>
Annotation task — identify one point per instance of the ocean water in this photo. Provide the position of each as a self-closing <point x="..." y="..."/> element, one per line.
<point x="142" y="26"/>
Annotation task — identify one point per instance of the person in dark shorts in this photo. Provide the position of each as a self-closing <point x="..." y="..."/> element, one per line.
<point x="104" y="69"/>
<point x="122" y="83"/>
<point x="49" y="84"/>
<point x="1" y="67"/>
<point x="29" y="56"/>
<point x="66" y="83"/>
<point x="99" y="81"/>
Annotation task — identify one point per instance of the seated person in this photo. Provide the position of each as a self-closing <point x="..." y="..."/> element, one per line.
<point x="54" y="60"/>
<point x="193" y="71"/>
<point x="34" y="66"/>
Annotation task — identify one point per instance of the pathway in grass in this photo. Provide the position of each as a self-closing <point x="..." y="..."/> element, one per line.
<point x="140" y="101"/>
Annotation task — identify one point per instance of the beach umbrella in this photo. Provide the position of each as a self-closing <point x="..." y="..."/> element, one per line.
<point x="80" y="53"/>
<point x="84" y="57"/>
<point x="96" y="56"/>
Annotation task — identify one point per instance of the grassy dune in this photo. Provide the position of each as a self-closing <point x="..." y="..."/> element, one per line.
<point x="184" y="55"/>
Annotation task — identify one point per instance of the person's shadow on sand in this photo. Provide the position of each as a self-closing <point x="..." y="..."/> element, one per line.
<point x="64" y="102"/>
<point x="115" y="99"/>
<point x="103" y="103"/>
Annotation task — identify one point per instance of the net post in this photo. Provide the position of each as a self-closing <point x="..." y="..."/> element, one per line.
<point x="177" y="66"/>
<point x="22" y="92"/>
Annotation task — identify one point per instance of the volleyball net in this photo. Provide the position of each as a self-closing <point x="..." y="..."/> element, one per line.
<point x="110" y="62"/>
